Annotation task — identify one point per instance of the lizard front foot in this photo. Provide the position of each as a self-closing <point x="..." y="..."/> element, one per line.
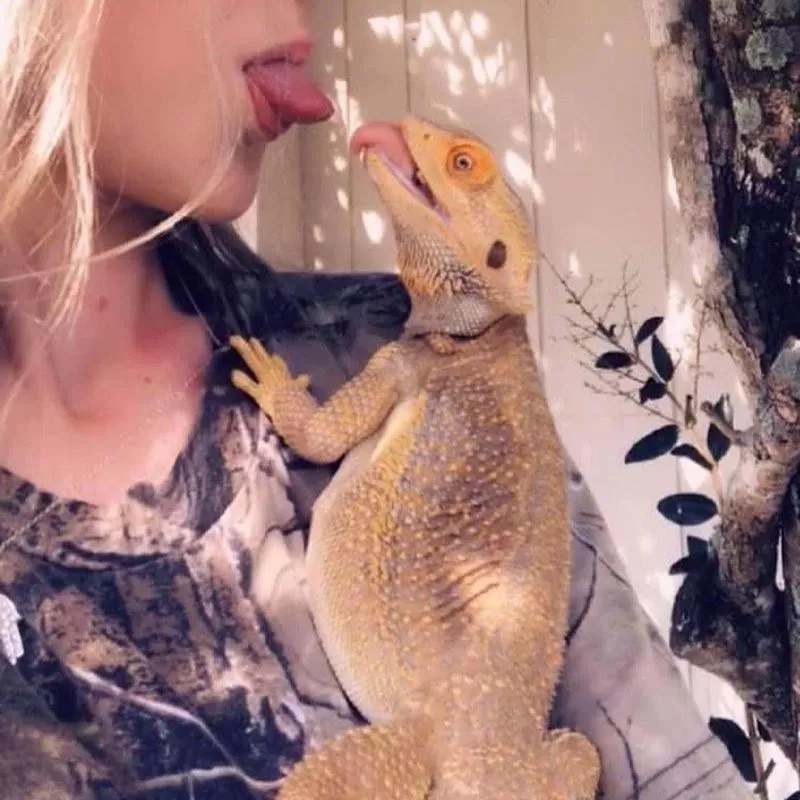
<point x="272" y="376"/>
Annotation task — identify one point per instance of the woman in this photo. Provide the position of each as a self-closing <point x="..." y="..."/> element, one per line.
<point x="150" y="521"/>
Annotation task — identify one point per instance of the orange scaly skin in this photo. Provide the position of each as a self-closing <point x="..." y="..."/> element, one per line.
<point x="439" y="556"/>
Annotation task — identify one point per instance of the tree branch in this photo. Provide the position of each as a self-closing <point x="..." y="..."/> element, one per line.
<point x="729" y="79"/>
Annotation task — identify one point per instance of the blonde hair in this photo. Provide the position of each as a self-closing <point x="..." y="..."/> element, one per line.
<point x="46" y="49"/>
<point x="45" y="57"/>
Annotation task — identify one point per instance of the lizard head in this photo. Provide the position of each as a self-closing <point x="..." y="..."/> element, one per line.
<point x="465" y="245"/>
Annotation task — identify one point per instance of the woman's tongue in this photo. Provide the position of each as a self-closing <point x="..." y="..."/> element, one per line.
<point x="386" y="138"/>
<point x="290" y="92"/>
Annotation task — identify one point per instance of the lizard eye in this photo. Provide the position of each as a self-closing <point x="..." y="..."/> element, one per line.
<point x="462" y="162"/>
<point x="469" y="164"/>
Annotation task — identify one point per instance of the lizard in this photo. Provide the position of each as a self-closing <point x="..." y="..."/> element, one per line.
<point x="439" y="554"/>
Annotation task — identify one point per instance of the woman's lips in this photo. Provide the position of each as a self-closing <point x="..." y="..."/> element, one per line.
<point x="283" y="94"/>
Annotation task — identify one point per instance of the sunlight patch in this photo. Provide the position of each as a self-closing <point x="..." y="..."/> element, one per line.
<point x="574" y="265"/>
<point x="520" y="171"/>
<point x="680" y="325"/>
<point x="546" y="102"/>
<point x="455" y="78"/>
<point x="374" y="226"/>
<point x="672" y="186"/>
<point x="519" y="134"/>
<point x="433" y="30"/>
<point x="479" y="24"/>
<point x="388" y="27"/>
<point x="354" y="117"/>
<point x="340" y="98"/>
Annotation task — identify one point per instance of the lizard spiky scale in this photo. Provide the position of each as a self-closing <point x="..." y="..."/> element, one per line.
<point x="439" y="555"/>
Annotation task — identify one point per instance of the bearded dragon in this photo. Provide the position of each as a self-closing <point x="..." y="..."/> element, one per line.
<point x="439" y="554"/>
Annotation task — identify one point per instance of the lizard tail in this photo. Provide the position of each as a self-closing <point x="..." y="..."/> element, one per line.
<point x="376" y="762"/>
<point x="570" y="768"/>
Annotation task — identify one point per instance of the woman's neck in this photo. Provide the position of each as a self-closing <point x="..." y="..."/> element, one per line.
<point x="123" y="306"/>
<point x="122" y="376"/>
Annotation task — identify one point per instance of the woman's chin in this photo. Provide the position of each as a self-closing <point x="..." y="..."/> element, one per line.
<point x="222" y="210"/>
<point x="233" y="197"/>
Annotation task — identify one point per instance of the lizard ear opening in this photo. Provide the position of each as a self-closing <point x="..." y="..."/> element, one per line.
<point x="497" y="255"/>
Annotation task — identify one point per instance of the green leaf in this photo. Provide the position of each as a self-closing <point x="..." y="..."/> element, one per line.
<point x="693" y="454"/>
<point x="647" y="329"/>
<point x="717" y="442"/>
<point x="737" y="743"/>
<point x="687" y="564"/>
<point x="655" y="444"/>
<point x="697" y="546"/>
<point x="695" y="561"/>
<point x="652" y="390"/>
<point x="662" y="360"/>
<point x="687" y="508"/>
<point x="614" y="359"/>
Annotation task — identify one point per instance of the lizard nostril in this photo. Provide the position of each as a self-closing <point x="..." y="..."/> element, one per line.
<point x="496" y="257"/>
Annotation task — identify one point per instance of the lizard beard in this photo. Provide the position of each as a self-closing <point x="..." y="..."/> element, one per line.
<point x="447" y="297"/>
<point x="456" y="315"/>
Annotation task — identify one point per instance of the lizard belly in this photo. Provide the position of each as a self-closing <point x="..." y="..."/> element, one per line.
<point x="441" y="547"/>
<point x="346" y="563"/>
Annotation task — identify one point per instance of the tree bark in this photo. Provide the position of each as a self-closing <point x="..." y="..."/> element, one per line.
<point x="728" y="75"/>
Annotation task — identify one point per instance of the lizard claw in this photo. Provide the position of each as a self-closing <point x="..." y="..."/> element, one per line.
<point x="272" y="375"/>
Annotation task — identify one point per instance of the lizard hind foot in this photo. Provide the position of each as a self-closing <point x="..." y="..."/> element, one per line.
<point x="570" y="768"/>
<point x="375" y="762"/>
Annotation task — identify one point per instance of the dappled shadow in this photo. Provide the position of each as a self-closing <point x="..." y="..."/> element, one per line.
<point x="565" y="94"/>
<point x="448" y="66"/>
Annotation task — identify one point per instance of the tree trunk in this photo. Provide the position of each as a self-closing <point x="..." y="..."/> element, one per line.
<point x="728" y="75"/>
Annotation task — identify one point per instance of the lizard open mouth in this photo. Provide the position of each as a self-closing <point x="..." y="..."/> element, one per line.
<point x="386" y="141"/>
<point x="417" y="185"/>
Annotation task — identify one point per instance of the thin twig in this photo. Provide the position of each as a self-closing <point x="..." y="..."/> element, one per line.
<point x="698" y="347"/>
<point x="190" y="777"/>
<point x="761" y="776"/>
<point x="602" y="332"/>
<point x="628" y="315"/>
<point x="598" y="329"/>
<point x="741" y="438"/>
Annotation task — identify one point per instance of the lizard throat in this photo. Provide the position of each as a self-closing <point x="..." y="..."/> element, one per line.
<point x="456" y="315"/>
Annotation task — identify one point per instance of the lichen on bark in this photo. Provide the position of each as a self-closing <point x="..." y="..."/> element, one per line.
<point x="769" y="48"/>
<point x="748" y="114"/>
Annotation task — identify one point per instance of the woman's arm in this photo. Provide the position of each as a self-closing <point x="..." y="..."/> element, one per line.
<point x="621" y="685"/>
